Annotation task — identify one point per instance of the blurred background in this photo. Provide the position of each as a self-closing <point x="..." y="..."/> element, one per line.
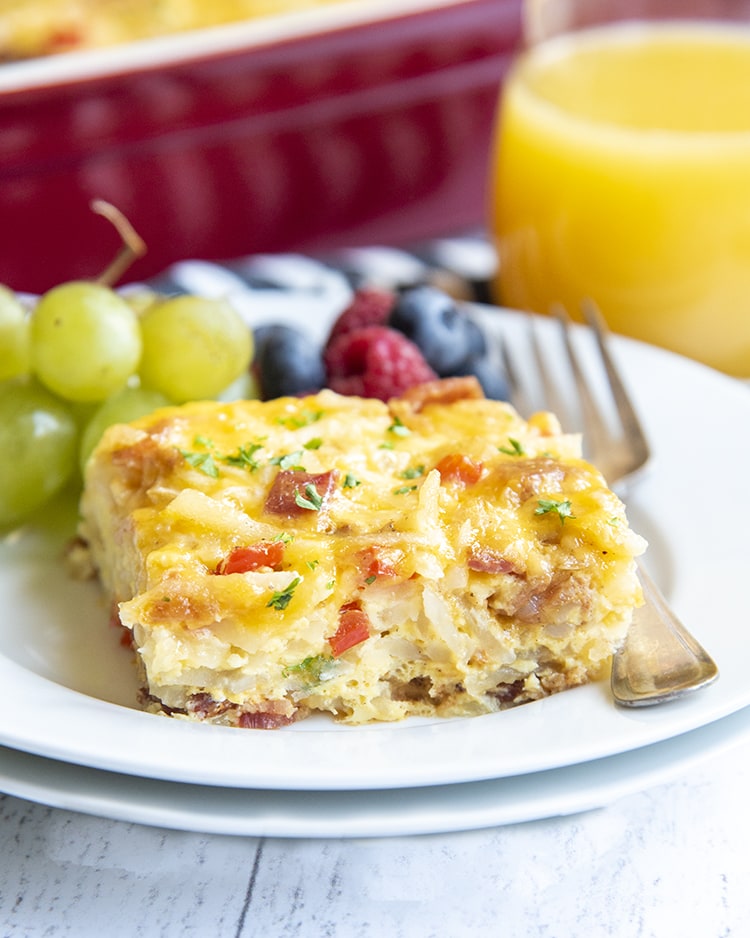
<point x="225" y="129"/>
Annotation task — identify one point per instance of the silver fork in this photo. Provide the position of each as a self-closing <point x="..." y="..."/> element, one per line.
<point x="660" y="660"/>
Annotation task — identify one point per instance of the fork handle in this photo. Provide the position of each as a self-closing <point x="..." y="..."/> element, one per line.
<point x="660" y="659"/>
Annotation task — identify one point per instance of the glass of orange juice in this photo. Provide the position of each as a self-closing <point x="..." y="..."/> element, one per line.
<point x="621" y="173"/>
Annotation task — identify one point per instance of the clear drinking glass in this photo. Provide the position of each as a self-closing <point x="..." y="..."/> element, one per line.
<point x="621" y="171"/>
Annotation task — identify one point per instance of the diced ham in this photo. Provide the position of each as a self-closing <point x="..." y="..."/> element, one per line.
<point x="442" y="391"/>
<point x="142" y="464"/>
<point x="484" y="560"/>
<point x="205" y="707"/>
<point x="531" y="477"/>
<point x="263" y="720"/>
<point x="194" y="608"/>
<point x="289" y="484"/>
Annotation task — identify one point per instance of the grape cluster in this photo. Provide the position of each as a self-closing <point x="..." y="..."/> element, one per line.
<point x="85" y="356"/>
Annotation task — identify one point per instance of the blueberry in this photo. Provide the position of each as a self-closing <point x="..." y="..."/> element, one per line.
<point x="489" y="375"/>
<point x="448" y="339"/>
<point x="287" y="362"/>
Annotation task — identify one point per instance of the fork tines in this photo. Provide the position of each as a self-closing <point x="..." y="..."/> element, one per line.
<point x="582" y="386"/>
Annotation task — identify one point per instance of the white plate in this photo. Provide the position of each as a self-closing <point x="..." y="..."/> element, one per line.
<point x="69" y="689"/>
<point x="396" y="812"/>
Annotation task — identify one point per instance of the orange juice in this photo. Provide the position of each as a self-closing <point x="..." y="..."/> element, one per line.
<point x="622" y="174"/>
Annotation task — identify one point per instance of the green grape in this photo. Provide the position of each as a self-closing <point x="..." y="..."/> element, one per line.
<point x="14" y="336"/>
<point x="193" y="348"/>
<point x="83" y="411"/>
<point x="38" y="439"/>
<point x="123" y="406"/>
<point x="85" y="341"/>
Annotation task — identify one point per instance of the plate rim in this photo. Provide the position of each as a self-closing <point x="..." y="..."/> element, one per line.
<point x="441" y="809"/>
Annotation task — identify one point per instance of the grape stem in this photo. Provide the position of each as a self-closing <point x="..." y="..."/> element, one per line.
<point x="133" y="246"/>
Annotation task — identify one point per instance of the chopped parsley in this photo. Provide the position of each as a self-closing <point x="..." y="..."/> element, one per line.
<point x="315" y="443"/>
<point x="281" y="598"/>
<point x="413" y="472"/>
<point x="312" y="499"/>
<point x="314" y="669"/>
<point x="288" y="460"/>
<point x="515" y="448"/>
<point x="404" y="490"/>
<point x="562" y="508"/>
<point x="350" y="481"/>
<point x="203" y="462"/>
<point x="244" y="458"/>
<point x="370" y="579"/>
<point x="398" y="428"/>
<point x="312" y="564"/>
<point x="303" y="419"/>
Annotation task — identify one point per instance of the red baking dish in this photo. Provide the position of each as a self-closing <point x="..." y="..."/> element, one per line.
<point x="365" y="122"/>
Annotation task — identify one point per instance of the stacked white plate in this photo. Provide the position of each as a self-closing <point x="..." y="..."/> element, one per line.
<point x="74" y="738"/>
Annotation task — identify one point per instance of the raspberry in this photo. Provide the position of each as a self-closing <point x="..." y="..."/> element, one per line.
<point x="375" y="362"/>
<point x="369" y="307"/>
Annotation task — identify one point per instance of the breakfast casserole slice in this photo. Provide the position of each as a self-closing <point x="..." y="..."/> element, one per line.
<point x="435" y="555"/>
